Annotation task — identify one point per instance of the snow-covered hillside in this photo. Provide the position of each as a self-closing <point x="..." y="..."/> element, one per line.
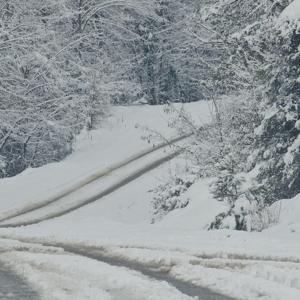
<point x="129" y="131"/>
<point x="240" y="264"/>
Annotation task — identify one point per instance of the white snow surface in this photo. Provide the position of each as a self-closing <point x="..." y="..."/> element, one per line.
<point x="292" y="11"/>
<point x="122" y="136"/>
<point x="244" y="265"/>
<point x="58" y="275"/>
<point x="289" y="19"/>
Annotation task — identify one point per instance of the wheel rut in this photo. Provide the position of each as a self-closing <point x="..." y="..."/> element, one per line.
<point x="13" y="287"/>
<point x="98" y="254"/>
<point x="91" y="178"/>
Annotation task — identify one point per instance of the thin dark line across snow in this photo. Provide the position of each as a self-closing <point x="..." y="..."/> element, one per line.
<point x="131" y="177"/>
<point x="153" y="273"/>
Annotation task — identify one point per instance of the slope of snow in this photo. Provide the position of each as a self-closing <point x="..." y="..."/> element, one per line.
<point x="239" y="264"/>
<point x="290" y="18"/>
<point x="122" y="136"/>
<point x="292" y="11"/>
<point x="289" y="219"/>
<point x="200" y="212"/>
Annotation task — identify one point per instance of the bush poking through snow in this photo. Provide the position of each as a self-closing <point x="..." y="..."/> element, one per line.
<point x="167" y="197"/>
<point x="247" y="215"/>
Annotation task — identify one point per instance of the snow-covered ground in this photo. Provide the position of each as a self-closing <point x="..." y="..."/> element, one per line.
<point x="243" y="265"/>
<point x="291" y="12"/>
<point x="57" y="275"/>
<point x="239" y="264"/>
<point x="129" y="130"/>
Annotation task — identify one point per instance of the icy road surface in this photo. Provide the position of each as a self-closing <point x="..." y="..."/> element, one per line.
<point x="77" y="273"/>
<point x="12" y="287"/>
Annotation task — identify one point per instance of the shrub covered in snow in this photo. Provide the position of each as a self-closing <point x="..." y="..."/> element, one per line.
<point x="255" y="131"/>
<point x="167" y="196"/>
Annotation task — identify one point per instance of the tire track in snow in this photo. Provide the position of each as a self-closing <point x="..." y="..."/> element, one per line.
<point x="131" y="177"/>
<point x="186" y="288"/>
<point x="165" y="272"/>
<point x="13" y="287"/>
<point x="162" y="272"/>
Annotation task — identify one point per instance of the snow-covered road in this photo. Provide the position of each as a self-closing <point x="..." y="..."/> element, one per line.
<point x="96" y="185"/>
<point x="61" y="267"/>
<point x="64" y="270"/>
<point x="12" y="287"/>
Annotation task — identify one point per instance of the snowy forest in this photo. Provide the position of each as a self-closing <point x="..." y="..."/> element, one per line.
<point x="65" y="63"/>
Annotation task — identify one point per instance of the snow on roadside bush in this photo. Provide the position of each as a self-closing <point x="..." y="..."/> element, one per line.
<point x="167" y="196"/>
<point x="247" y="216"/>
<point x="257" y="130"/>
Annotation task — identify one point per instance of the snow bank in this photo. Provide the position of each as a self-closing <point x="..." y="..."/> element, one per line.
<point x="290" y="210"/>
<point x="290" y="18"/>
<point x="292" y="11"/>
<point x="289" y="218"/>
<point x="200" y="212"/>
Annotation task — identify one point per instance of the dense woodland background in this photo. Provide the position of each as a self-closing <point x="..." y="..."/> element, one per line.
<point x="63" y="63"/>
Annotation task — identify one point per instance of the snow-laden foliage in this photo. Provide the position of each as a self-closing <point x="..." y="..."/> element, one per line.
<point x="167" y="196"/>
<point x="272" y="51"/>
<point x="61" y="65"/>
<point x="252" y="145"/>
<point x="63" y="62"/>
